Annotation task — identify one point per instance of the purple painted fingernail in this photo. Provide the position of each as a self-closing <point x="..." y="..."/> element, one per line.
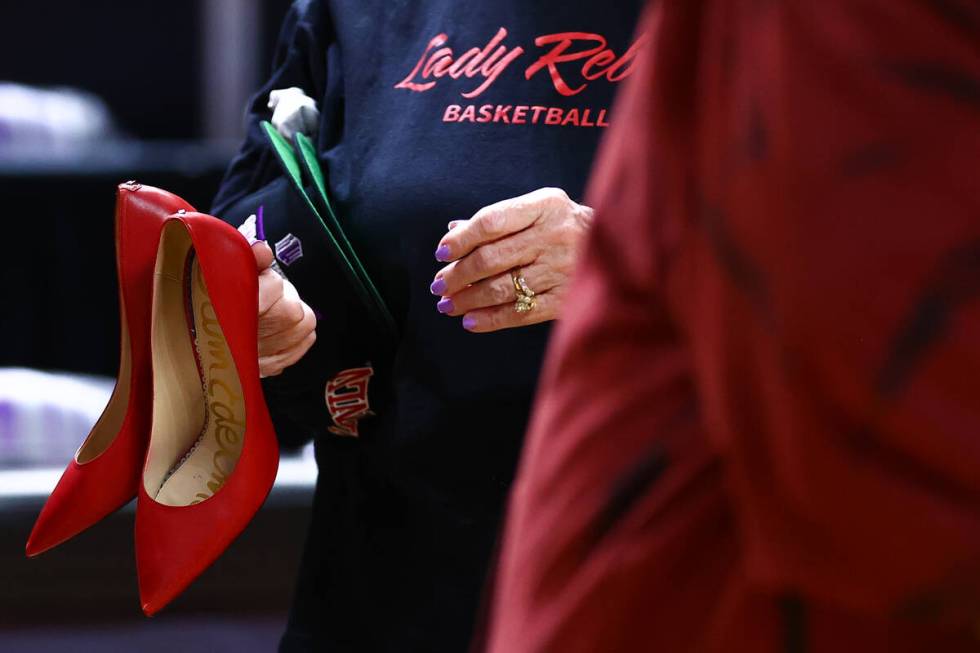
<point x="445" y="305"/>
<point x="438" y="286"/>
<point x="442" y="254"/>
<point x="260" y="223"/>
<point x="469" y="322"/>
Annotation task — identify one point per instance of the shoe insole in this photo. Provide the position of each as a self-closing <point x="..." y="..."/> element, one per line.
<point x="199" y="409"/>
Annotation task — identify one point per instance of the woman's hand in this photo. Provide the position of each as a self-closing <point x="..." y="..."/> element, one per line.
<point x="539" y="235"/>
<point x="287" y="326"/>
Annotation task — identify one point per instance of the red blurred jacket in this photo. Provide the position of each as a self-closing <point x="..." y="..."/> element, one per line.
<point x="759" y="426"/>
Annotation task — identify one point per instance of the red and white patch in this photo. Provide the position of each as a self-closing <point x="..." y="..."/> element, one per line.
<point x="347" y="400"/>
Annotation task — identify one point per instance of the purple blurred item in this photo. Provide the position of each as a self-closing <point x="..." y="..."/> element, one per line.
<point x="44" y="417"/>
<point x="260" y="224"/>
<point x="289" y="249"/>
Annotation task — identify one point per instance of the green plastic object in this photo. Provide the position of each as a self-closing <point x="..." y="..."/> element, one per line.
<point x="311" y="166"/>
<point x="301" y="159"/>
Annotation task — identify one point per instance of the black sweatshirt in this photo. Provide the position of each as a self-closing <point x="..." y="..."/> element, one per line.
<point x="430" y="110"/>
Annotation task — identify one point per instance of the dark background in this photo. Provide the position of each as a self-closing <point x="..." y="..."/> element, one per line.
<point x="144" y="58"/>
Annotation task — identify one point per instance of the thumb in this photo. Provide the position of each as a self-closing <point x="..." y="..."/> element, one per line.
<point x="263" y="255"/>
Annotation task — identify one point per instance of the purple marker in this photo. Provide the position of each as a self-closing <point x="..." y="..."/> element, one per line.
<point x="259" y="224"/>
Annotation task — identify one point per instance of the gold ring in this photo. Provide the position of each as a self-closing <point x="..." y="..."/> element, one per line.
<point x="524" y="304"/>
<point x="520" y="283"/>
<point x="514" y="274"/>
<point x="525" y="296"/>
<point x="526" y="289"/>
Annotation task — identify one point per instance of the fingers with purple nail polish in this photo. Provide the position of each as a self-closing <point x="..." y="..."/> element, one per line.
<point x="442" y="254"/>
<point x="445" y="305"/>
<point x="438" y="286"/>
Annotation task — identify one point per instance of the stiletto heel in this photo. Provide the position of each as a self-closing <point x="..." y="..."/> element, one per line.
<point x="104" y="474"/>
<point x="213" y="455"/>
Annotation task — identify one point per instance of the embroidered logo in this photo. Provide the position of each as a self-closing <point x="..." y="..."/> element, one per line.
<point x="347" y="400"/>
<point x="573" y="61"/>
<point x="289" y="250"/>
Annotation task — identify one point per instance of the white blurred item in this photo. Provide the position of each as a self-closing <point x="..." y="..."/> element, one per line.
<point x="248" y="230"/>
<point x="44" y="417"/>
<point x="293" y="111"/>
<point x="55" y="118"/>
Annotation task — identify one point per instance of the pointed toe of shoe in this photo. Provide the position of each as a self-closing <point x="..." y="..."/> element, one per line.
<point x="51" y="529"/>
<point x="175" y="545"/>
<point x="80" y="500"/>
<point x="154" y="597"/>
<point x="169" y="556"/>
<point x="42" y="539"/>
<point x="56" y="527"/>
<point x="45" y="535"/>
<point x="150" y="609"/>
<point x="155" y="589"/>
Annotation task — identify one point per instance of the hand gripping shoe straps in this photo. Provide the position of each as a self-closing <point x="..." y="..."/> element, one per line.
<point x="104" y="474"/>
<point x="212" y="456"/>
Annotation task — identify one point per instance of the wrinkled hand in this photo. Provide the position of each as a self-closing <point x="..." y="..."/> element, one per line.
<point x="540" y="234"/>
<point x="287" y="326"/>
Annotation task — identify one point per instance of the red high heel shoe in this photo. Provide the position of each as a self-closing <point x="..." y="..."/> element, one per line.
<point x="104" y="474"/>
<point x="213" y="455"/>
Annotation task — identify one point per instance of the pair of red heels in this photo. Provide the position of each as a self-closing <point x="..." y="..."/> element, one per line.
<point x="186" y="430"/>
